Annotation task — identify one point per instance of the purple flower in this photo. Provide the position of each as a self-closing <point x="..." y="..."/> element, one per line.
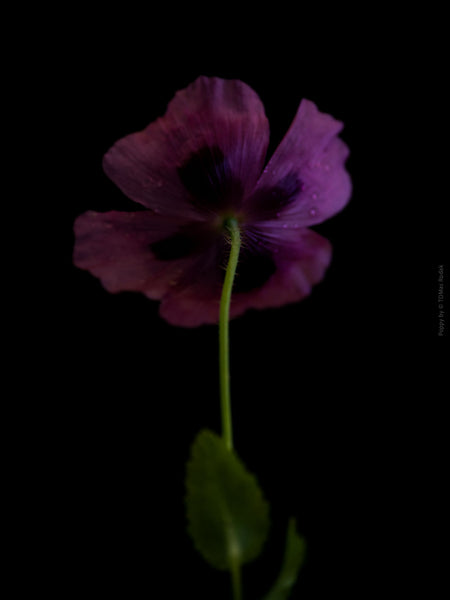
<point x="193" y="168"/>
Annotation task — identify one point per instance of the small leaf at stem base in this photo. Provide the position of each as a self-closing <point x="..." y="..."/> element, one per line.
<point x="294" y="556"/>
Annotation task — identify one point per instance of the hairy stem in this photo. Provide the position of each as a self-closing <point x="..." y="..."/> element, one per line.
<point x="224" y="356"/>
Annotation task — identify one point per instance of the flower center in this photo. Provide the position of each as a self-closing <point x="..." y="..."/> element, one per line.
<point x="207" y="176"/>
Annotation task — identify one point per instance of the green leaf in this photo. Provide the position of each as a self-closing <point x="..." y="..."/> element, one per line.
<point x="228" y="518"/>
<point x="294" y="556"/>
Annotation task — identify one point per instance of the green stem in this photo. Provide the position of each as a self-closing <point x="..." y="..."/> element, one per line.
<point x="236" y="580"/>
<point x="224" y="369"/>
<point x="224" y="357"/>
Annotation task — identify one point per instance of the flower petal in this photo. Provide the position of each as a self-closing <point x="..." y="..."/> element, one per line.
<point x="210" y="143"/>
<point x="196" y="301"/>
<point x="305" y="181"/>
<point x="293" y="273"/>
<point x="299" y="267"/>
<point x="133" y="251"/>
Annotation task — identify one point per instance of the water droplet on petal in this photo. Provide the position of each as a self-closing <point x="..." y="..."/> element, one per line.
<point x="312" y="212"/>
<point x="314" y="196"/>
<point x="285" y="225"/>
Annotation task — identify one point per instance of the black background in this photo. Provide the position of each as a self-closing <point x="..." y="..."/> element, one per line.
<point x="336" y="402"/>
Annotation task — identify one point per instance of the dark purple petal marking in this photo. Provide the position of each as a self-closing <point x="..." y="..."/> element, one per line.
<point x="208" y="178"/>
<point x="285" y="191"/>
<point x="254" y="268"/>
<point x="177" y="246"/>
<point x="267" y="202"/>
<point x="187" y="241"/>
<point x="253" y="271"/>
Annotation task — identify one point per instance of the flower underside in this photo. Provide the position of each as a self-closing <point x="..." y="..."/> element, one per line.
<point x="199" y="165"/>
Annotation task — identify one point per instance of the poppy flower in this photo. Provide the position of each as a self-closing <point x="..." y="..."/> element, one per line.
<point x="200" y="164"/>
